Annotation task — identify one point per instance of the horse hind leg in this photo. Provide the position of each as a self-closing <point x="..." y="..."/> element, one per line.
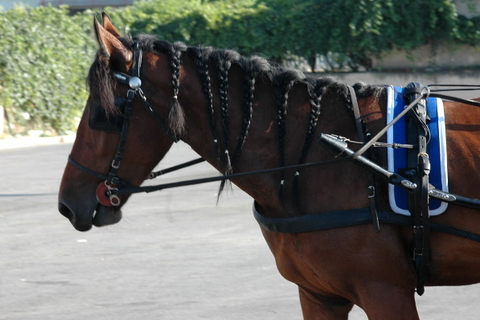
<point x="317" y="307"/>
<point x="377" y="304"/>
<point x="388" y="302"/>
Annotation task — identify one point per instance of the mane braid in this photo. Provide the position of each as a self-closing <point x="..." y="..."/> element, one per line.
<point x="315" y="96"/>
<point x="283" y="82"/>
<point x="316" y="89"/>
<point x="176" y="116"/>
<point x="252" y="68"/>
<point x="224" y="59"/>
<point x="201" y="56"/>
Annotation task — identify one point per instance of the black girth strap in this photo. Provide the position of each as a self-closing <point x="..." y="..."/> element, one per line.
<point x="345" y="218"/>
<point x="361" y="137"/>
<point x="327" y="220"/>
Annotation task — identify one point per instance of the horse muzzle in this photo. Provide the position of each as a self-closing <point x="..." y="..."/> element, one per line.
<point x="85" y="213"/>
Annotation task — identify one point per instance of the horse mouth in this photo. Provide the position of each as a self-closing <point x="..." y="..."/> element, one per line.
<point x="101" y="216"/>
<point x="105" y="216"/>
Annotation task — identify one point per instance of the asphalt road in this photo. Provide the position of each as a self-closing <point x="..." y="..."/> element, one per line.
<point x="175" y="255"/>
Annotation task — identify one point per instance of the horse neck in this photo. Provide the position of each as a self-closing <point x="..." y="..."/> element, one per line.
<point x="213" y="112"/>
<point x="263" y="147"/>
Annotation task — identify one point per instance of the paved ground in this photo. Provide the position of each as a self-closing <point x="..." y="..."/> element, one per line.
<point x="176" y="255"/>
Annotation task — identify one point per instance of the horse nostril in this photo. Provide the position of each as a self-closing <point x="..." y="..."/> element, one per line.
<point x="65" y="211"/>
<point x="82" y="221"/>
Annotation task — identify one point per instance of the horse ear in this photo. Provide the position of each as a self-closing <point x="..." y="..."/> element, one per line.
<point x="111" y="47"/>
<point x="107" y="24"/>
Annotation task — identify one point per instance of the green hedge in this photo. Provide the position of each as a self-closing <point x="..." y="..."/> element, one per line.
<point x="44" y="56"/>
<point x="45" y="53"/>
<point x="355" y="30"/>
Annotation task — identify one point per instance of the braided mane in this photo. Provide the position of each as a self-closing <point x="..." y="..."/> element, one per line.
<point x="102" y="85"/>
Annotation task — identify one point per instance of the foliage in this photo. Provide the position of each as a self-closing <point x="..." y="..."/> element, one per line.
<point x="45" y="52"/>
<point x="350" y="31"/>
<point x="44" y="56"/>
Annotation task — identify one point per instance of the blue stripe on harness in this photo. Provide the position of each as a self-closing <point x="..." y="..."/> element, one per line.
<point x="437" y="150"/>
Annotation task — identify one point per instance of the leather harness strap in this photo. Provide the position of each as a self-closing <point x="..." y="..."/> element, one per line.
<point x="361" y="137"/>
<point x="418" y="171"/>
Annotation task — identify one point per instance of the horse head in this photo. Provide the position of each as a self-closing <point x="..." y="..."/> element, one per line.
<point x="118" y="141"/>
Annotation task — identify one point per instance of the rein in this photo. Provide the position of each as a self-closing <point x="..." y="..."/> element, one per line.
<point x="109" y="190"/>
<point x="373" y="142"/>
<point x="147" y="189"/>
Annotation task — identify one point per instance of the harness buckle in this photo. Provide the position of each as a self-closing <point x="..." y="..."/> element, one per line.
<point x="141" y="94"/>
<point x="371" y="192"/>
<point x="115" y="164"/>
<point x="114" y="200"/>
<point x="152" y="175"/>
<point x="131" y="94"/>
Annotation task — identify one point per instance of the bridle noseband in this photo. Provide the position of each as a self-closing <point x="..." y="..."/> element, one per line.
<point x="105" y="190"/>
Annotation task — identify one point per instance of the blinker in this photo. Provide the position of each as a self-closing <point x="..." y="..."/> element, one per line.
<point x="100" y="120"/>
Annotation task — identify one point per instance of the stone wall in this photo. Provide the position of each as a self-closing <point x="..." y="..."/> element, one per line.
<point x="468" y="8"/>
<point x="429" y="58"/>
<point x="471" y="77"/>
<point x="440" y="57"/>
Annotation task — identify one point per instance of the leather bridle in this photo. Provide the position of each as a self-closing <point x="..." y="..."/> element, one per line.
<point x="105" y="190"/>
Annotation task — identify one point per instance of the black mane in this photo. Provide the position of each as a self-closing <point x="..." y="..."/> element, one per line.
<point x="102" y="85"/>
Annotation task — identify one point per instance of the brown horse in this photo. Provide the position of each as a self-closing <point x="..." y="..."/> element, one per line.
<point x="244" y="115"/>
